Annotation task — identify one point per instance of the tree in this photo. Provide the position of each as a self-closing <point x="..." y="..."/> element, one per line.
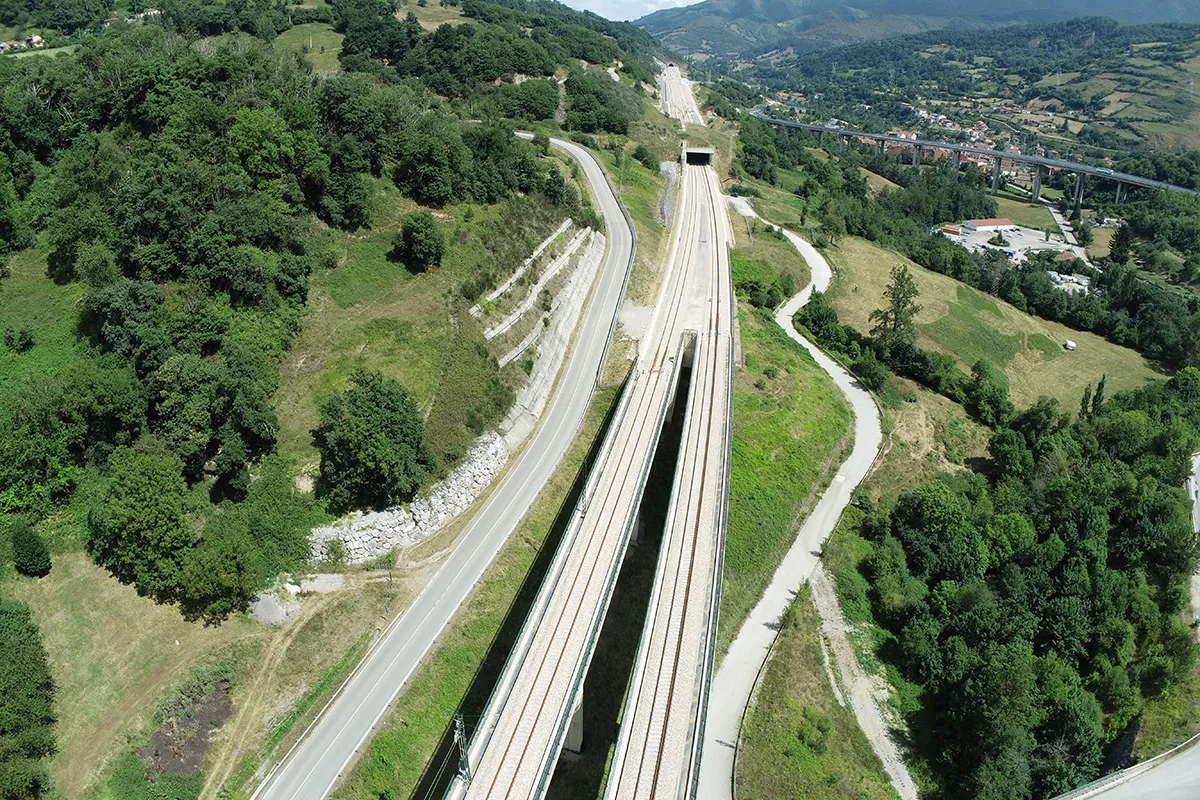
<point x="1118" y="249"/>
<point x="1083" y="234"/>
<point x="420" y="244"/>
<point x="370" y="439"/>
<point x="26" y="705"/>
<point x="643" y="156"/>
<point x="894" y="324"/>
<point x="432" y="163"/>
<point x="140" y="531"/>
<point x="30" y="555"/>
<point x="868" y="370"/>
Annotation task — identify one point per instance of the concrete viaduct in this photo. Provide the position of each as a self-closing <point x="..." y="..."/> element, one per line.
<point x="1040" y="163"/>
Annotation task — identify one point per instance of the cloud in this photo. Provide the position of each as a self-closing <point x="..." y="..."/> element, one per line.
<point x="626" y="9"/>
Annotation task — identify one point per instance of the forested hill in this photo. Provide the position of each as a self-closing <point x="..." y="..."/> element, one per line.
<point x="748" y="28"/>
<point x="180" y="180"/>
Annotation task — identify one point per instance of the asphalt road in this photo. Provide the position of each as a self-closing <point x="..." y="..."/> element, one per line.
<point x="738" y="671"/>
<point x="1177" y="778"/>
<point x="310" y="770"/>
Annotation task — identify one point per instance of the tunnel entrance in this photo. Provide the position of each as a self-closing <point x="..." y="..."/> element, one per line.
<point x="699" y="156"/>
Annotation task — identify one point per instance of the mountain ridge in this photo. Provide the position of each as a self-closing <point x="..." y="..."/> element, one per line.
<point x="749" y="28"/>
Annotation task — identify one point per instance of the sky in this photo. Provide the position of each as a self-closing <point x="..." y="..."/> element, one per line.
<point x="626" y="9"/>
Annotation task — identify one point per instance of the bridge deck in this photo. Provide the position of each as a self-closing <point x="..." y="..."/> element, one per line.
<point x="659" y="740"/>
<point x="515" y="749"/>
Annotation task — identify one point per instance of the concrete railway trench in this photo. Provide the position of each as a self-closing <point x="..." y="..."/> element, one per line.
<point x="583" y="772"/>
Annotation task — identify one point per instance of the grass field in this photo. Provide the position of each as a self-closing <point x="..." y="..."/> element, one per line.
<point x="1022" y="213"/>
<point x="776" y="253"/>
<point x="968" y="324"/>
<point x="46" y="51"/>
<point x="319" y="43"/>
<point x="877" y="183"/>
<point x="112" y="655"/>
<point x="925" y="433"/>
<point x="790" y="427"/>
<point x="433" y="14"/>
<point x="1101" y="244"/>
<point x="800" y="741"/>
<point x="410" y="735"/>
<point x="30" y="300"/>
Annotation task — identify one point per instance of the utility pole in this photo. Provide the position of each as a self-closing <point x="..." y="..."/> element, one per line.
<point x="460" y="741"/>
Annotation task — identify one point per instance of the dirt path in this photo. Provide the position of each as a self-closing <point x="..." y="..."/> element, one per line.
<point x="863" y="692"/>
<point x="737" y="677"/>
<point x="235" y="739"/>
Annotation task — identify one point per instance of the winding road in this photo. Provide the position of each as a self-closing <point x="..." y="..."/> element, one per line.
<point x="312" y="767"/>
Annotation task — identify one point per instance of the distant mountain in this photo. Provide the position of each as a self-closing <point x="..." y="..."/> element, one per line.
<point x="748" y="28"/>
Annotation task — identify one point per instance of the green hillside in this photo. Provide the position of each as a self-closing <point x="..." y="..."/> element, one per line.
<point x="747" y="28"/>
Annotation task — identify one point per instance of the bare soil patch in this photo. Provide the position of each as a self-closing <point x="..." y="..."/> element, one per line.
<point x="180" y="743"/>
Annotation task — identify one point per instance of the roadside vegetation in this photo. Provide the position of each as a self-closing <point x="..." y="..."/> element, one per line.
<point x="790" y="431"/>
<point x="801" y="739"/>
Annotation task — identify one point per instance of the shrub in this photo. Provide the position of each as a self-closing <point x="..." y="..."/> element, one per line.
<point x="644" y="157"/>
<point x="30" y="554"/>
<point x="420" y="244"/>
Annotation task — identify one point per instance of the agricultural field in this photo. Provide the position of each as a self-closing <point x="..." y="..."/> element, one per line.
<point x="969" y="325"/>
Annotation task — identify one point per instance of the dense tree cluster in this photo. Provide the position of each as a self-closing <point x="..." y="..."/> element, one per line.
<point x="26" y="705"/>
<point x="1035" y="607"/>
<point x="510" y="39"/>
<point x="1031" y="607"/>
<point x="176" y="185"/>
<point x="370" y="438"/>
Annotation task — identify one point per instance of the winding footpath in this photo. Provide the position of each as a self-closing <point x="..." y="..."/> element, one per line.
<point x="737" y="676"/>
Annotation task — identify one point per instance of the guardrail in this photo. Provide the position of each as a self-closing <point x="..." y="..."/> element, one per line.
<point x="1127" y="774"/>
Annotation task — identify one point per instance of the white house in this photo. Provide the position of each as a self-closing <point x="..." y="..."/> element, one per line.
<point x="987" y="225"/>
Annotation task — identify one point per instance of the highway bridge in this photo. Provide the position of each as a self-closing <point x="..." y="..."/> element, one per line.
<point x="536" y="709"/>
<point x="1040" y="163"/>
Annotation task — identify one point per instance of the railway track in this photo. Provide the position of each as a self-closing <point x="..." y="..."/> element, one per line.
<point x="514" y="752"/>
<point x="657" y="751"/>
